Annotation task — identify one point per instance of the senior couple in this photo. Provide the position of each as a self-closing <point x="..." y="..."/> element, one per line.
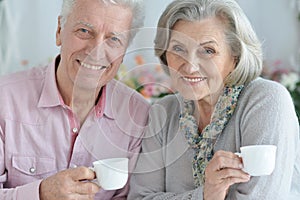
<point x="55" y="121"/>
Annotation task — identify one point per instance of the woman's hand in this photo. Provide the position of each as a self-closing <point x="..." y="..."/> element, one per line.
<point x="222" y="171"/>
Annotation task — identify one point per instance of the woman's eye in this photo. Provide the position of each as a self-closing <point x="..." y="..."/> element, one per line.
<point x="209" y="51"/>
<point x="177" y="48"/>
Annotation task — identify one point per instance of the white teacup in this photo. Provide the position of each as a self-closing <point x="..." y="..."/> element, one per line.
<point x="112" y="173"/>
<point x="258" y="160"/>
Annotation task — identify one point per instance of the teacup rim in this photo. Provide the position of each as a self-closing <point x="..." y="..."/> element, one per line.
<point x="259" y="146"/>
<point x="117" y="159"/>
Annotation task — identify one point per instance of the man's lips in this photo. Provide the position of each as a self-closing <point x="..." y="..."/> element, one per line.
<point x="93" y="67"/>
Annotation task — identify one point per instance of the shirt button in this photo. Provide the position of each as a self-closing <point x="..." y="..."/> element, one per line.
<point x="75" y="130"/>
<point x="32" y="170"/>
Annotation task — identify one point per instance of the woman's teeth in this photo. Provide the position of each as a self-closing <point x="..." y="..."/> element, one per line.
<point x="194" y="80"/>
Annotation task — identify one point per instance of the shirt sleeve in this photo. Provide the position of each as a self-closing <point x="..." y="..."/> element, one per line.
<point x="28" y="191"/>
<point x="269" y="118"/>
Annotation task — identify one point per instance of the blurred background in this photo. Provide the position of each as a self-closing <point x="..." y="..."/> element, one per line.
<point x="27" y="39"/>
<point x="27" y="34"/>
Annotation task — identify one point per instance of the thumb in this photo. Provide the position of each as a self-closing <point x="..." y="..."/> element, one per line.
<point x="81" y="173"/>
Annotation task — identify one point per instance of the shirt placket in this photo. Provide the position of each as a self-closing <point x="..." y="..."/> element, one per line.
<point x="74" y="131"/>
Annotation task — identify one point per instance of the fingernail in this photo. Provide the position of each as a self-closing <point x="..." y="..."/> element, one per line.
<point x="240" y="166"/>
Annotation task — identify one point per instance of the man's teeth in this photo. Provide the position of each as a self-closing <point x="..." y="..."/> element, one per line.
<point x="194" y="80"/>
<point x="94" y="67"/>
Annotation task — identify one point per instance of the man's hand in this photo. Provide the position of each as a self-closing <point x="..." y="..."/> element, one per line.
<point x="222" y="171"/>
<point x="69" y="184"/>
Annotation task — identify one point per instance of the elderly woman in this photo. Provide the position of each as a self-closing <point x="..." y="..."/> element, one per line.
<point x="214" y="59"/>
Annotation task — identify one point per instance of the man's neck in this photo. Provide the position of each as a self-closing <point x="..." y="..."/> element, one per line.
<point x="80" y="100"/>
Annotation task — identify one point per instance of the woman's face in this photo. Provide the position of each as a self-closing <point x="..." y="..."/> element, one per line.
<point x="199" y="58"/>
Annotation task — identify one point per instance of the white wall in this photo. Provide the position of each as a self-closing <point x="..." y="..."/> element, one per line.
<point x="32" y="39"/>
<point x="276" y="24"/>
<point x="143" y="42"/>
<point x="35" y="21"/>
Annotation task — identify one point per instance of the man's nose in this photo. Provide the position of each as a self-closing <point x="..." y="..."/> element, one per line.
<point x="97" y="49"/>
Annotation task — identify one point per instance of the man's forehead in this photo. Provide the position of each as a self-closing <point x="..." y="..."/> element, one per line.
<point x="113" y="15"/>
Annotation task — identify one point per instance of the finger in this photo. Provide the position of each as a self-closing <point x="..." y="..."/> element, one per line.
<point x="218" y="177"/>
<point x="87" y="188"/>
<point x="233" y="180"/>
<point x="82" y="196"/>
<point x="81" y="173"/>
<point x="232" y="173"/>
<point x="221" y="161"/>
<point x="226" y="154"/>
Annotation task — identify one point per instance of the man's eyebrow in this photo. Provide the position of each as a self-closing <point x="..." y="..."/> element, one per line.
<point x="85" y="24"/>
<point x="122" y="35"/>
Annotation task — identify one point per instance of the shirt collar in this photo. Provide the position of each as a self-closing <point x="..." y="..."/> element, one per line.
<point x="99" y="108"/>
<point x="107" y="98"/>
<point x="50" y="94"/>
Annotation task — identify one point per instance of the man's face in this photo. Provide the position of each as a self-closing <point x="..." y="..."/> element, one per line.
<point x="93" y="42"/>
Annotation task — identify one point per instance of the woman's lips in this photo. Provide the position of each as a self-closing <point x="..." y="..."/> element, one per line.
<point x="194" y="80"/>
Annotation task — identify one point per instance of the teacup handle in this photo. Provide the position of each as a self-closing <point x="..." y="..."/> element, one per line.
<point x="95" y="179"/>
<point x="238" y="154"/>
<point x="92" y="168"/>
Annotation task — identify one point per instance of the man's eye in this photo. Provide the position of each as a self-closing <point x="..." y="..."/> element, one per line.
<point x="114" y="42"/>
<point x="115" y="39"/>
<point x="83" y="30"/>
<point x="84" y="33"/>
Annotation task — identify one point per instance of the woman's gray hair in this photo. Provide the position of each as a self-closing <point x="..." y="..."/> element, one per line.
<point x="240" y="36"/>
<point x="136" y="6"/>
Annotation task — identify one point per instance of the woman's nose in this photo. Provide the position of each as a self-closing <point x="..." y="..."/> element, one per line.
<point x="191" y="64"/>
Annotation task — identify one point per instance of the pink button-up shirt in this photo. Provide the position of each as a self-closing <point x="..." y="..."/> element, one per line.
<point x="40" y="135"/>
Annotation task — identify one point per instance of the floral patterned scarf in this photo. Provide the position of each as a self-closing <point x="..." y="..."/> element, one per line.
<point x="203" y="143"/>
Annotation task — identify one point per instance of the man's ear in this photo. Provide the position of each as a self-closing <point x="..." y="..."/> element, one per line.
<point x="58" y="31"/>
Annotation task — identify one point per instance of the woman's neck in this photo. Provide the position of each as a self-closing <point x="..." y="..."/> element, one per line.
<point x="203" y="113"/>
<point x="204" y="109"/>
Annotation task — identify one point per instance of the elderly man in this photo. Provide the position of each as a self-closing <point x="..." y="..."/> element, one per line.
<point x="55" y="121"/>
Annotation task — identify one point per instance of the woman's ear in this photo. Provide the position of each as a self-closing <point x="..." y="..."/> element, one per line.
<point x="236" y="61"/>
<point x="58" y="31"/>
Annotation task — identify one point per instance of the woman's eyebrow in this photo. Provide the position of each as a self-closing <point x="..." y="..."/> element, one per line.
<point x="208" y="42"/>
<point x="175" y="40"/>
<point x="201" y="44"/>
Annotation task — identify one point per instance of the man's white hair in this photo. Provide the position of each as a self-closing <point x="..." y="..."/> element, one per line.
<point x="136" y="6"/>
